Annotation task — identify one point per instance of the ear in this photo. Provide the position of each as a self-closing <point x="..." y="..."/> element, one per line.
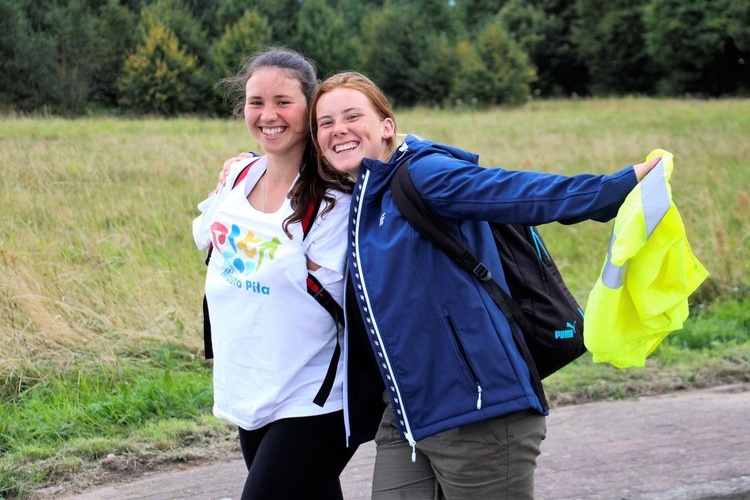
<point x="389" y="129"/>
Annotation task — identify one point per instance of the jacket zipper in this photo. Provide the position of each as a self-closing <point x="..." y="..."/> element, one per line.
<point x="371" y="325"/>
<point x="467" y="361"/>
<point x="345" y="354"/>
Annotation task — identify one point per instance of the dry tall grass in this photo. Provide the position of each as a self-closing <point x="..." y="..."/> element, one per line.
<point x="95" y="244"/>
<point x="97" y="259"/>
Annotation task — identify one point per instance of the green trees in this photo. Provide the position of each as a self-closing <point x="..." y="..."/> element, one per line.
<point x="165" y="75"/>
<point x="160" y="77"/>
<point x="18" y="70"/>
<point x="612" y="47"/>
<point x="701" y="45"/>
<point x="386" y="53"/>
<point x="282" y="15"/>
<point x="115" y="39"/>
<point x="75" y="28"/>
<point x="166" y="56"/>
<point x="44" y="55"/>
<point x="494" y="70"/>
<point x="324" y="35"/>
<point x="560" y="72"/>
<point x="475" y="13"/>
<point x="239" y="40"/>
<point x="410" y="50"/>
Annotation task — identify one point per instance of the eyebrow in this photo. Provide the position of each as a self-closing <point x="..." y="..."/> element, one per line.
<point x="347" y="110"/>
<point x="278" y="96"/>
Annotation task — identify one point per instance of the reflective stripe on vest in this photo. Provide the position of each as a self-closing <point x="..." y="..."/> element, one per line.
<point x="655" y="200"/>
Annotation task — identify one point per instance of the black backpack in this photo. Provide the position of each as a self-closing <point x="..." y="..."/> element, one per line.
<point x="314" y="288"/>
<point x="550" y="319"/>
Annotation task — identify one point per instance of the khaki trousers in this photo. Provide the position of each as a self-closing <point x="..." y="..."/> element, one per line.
<point x="492" y="459"/>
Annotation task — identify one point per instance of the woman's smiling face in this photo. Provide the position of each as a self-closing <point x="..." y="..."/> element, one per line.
<point x="349" y="129"/>
<point x="276" y="110"/>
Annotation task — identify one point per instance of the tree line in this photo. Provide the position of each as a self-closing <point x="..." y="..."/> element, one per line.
<point x="166" y="57"/>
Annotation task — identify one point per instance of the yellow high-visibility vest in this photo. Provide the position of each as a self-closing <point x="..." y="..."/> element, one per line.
<point x="642" y="292"/>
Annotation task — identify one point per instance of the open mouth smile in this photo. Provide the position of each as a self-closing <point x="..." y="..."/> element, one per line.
<point x="272" y="131"/>
<point x="345" y="147"/>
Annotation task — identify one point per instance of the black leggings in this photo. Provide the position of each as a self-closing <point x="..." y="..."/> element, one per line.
<point x="296" y="458"/>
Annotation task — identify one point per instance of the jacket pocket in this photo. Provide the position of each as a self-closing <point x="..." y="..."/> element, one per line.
<point x="466" y="360"/>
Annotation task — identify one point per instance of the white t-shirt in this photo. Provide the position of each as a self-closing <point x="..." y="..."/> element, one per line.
<point x="272" y="341"/>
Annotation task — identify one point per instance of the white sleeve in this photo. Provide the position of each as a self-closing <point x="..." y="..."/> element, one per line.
<point x="326" y="243"/>
<point x="201" y="224"/>
<point x="332" y="281"/>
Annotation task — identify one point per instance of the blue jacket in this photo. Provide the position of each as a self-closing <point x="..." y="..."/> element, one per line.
<point x="445" y="351"/>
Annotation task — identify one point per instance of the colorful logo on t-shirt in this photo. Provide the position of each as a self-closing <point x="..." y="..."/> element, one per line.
<point x="245" y="254"/>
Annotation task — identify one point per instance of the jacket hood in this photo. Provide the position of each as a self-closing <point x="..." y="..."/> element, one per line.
<point x="417" y="146"/>
<point x="412" y="148"/>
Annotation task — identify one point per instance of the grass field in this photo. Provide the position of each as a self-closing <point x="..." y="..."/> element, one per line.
<point x="101" y="285"/>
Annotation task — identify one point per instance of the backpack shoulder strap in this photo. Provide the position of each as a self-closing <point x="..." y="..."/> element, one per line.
<point x="312" y="209"/>
<point x="426" y="222"/>
<point x="237" y="180"/>
<point x="316" y="289"/>
<point x="244" y="171"/>
<point x="432" y="227"/>
<point x="324" y="298"/>
<point x="310" y="214"/>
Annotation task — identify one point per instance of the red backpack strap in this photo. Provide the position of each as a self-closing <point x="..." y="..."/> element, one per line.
<point x="244" y="171"/>
<point x="321" y="295"/>
<point x="310" y="214"/>
<point x="314" y="287"/>
<point x="240" y="176"/>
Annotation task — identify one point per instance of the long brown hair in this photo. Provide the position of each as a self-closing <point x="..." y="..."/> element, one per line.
<point x="310" y="187"/>
<point x="355" y="81"/>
